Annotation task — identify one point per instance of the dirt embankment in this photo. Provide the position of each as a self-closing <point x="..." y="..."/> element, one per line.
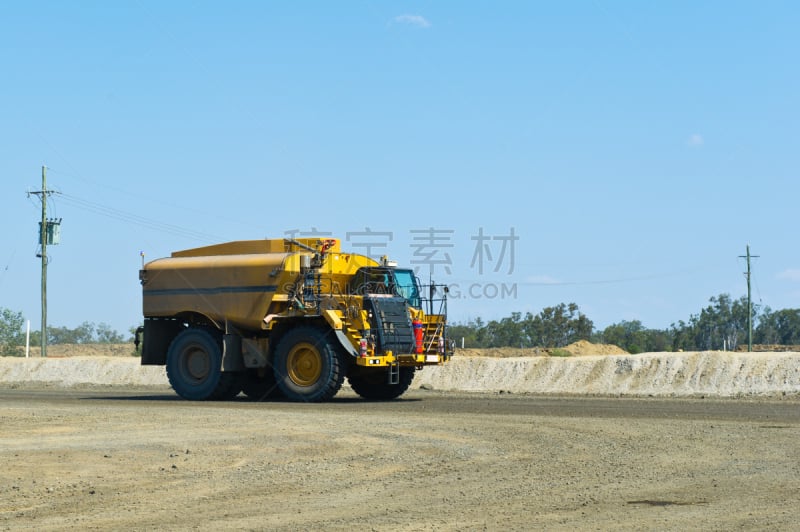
<point x="579" y="348"/>
<point x="762" y="348"/>
<point x="587" y="370"/>
<point x="82" y="350"/>
<point x="576" y="349"/>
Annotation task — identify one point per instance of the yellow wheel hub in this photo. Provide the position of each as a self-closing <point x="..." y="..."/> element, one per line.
<point x="304" y="364"/>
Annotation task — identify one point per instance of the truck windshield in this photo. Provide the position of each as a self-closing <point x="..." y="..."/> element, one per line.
<point x="406" y="286"/>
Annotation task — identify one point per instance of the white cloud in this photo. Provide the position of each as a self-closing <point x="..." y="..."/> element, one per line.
<point x="414" y="20"/>
<point x="696" y="140"/>
<point x="792" y="275"/>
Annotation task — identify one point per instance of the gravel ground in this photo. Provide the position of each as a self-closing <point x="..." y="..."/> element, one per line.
<point x="124" y="459"/>
<point x="103" y="443"/>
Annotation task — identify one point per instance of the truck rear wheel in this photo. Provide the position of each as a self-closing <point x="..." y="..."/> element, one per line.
<point x="308" y="366"/>
<point x="194" y="367"/>
<point x="371" y="384"/>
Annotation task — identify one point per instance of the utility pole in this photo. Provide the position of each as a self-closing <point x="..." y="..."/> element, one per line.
<point x="43" y="230"/>
<point x="749" y="301"/>
<point x="45" y="234"/>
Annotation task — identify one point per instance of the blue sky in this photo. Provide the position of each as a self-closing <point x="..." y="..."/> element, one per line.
<point x="632" y="149"/>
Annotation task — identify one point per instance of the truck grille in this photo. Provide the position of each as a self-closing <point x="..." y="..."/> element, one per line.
<point x="391" y="322"/>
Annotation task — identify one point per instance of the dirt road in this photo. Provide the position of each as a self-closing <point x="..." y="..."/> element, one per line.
<point x="144" y="460"/>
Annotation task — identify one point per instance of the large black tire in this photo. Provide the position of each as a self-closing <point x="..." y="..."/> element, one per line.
<point x="194" y="367"/>
<point x="230" y="385"/>
<point x="309" y="365"/>
<point x="372" y="384"/>
<point x="260" y="387"/>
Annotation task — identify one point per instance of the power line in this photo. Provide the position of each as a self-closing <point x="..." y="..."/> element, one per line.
<point x="49" y="234"/>
<point x="135" y="219"/>
<point x="147" y="198"/>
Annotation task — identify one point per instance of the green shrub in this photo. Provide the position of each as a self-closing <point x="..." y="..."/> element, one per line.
<point x="11" y="336"/>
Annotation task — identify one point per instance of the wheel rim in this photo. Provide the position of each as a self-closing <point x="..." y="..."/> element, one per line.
<point x="196" y="363"/>
<point x="304" y="364"/>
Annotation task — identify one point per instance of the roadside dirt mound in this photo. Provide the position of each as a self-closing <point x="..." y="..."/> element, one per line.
<point x="768" y="347"/>
<point x="579" y="348"/>
<point x="584" y="348"/>
<point x="503" y="352"/>
<point x="703" y="373"/>
<point x="706" y="373"/>
<point x="83" y="350"/>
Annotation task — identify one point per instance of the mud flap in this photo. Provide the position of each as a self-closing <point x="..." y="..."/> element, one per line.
<point x="346" y="343"/>
<point x="232" y="359"/>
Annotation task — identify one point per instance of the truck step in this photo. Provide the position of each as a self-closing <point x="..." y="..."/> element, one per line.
<point x="394" y="372"/>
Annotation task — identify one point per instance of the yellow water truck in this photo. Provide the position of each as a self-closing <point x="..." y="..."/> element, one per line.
<point x="288" y="318"/>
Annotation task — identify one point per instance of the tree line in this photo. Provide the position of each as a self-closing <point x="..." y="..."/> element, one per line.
<point x="12" y="334"/>
<point x="723" y="324"/>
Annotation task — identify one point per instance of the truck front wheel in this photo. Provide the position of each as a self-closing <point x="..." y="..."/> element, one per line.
<point x="194" y="367"/>
<point x="308" y="366"/>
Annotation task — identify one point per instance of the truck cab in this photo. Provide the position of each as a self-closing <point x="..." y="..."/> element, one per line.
<point x="387" y="280"/>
